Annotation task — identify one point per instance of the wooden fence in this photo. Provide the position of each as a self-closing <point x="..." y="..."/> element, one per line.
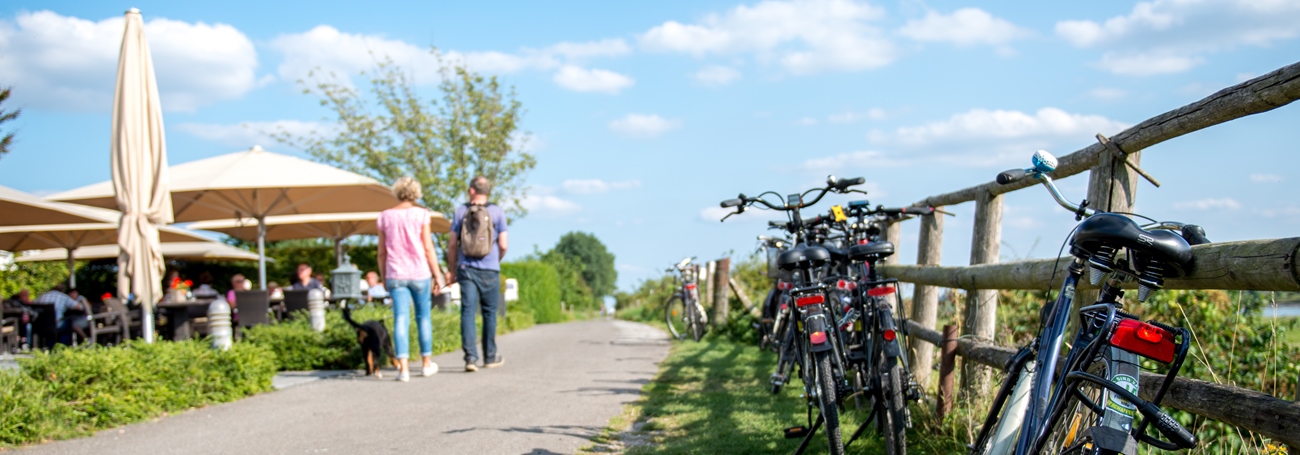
<point x="1114" y="172"/>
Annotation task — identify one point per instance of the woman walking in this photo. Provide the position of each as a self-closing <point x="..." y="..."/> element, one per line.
<point x="410" y="269"/>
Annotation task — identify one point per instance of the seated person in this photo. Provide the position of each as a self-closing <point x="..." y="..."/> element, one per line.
<point x="304" y="280"/>
<point x="18" y="305"/>
<point x="375" y="289"/>
<point x="273" y="290"/>
<point x="61" y="302"/>
<point x="205" y="289"/>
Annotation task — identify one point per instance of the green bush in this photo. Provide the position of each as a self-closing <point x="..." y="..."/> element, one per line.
<point x="539" y="288"/>
<point x="73" y="392"/>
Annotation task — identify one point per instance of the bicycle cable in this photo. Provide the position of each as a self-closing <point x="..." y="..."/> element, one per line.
<point x="1052" y="280"/>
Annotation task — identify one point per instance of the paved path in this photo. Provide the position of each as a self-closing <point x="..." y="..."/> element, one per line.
<point x="560" y="385"/>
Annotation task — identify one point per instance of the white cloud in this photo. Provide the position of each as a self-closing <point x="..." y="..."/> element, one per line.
<point x="1107" y="94"/>
<point x="1266" y="178"/>
<point x="1003" y="124"/>
<point x="802" y="36"/>
<point x="593" y="186"/>
<point x="1146" y="64"/>
<point x="1209" y="204"/>
<point x="964" y="27"/>
<point x="643" y="125"/>
<point x="592" y="80"/>
<point x="854" y="117"/>
<point x="247" y="134"/>
<point x="346" y="54"/>
<point x="69" y="63"/>
<point x="850" y="160"/>
<point x="716" y="75"/>
<point x="1176" y="33"/>
<point x="548" y="205"/>
<point x="807" y="121"/>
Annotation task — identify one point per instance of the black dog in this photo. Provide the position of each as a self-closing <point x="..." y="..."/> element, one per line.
<point x="373" y="336"/>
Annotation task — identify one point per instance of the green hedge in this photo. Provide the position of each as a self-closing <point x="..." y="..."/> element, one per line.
<point x="539" y="288"/>
<point x="74" y="392"/>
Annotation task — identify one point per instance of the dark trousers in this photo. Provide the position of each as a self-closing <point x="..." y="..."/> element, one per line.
<point x="480" y="292"/>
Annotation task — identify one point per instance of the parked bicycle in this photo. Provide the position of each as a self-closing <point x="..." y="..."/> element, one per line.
<point x="682" y="311"/>
<point x="1088" y="402"/>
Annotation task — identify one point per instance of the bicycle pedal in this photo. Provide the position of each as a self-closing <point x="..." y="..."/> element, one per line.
<point x="796" y="432"/>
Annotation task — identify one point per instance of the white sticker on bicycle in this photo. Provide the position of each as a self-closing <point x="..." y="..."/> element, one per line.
<point x="1121" y="405"/>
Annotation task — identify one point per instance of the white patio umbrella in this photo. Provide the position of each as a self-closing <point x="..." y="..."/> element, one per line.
<point x="206" y="251"/>
<point x="18" y="209"/>
<point x="139" y="164"/>
<point x="256" y="184"/>
<point x="72" y="238"/>
<point x="334" y="226"/>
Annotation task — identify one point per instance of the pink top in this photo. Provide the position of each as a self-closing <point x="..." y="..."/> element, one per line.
<point x="402" y="230"/>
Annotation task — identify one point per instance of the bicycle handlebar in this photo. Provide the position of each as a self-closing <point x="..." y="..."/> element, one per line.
<point x="729" y="203"/>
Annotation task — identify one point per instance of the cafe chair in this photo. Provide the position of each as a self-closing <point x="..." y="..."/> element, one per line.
<point x="9" y="342"/>
<point x="131" y="317"/>
<point x="253" y="307"/>
<point x="294" y="300"/>
<point x="107" y="327"/>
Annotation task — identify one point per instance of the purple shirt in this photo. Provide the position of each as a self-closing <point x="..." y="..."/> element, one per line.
<point x="493" y="260"/>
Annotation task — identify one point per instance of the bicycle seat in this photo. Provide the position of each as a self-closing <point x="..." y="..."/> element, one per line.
<point x="837" y="254"/>
<point x="802" y="256"/>
<point x="1118" y="231"/>
<point x="871" y="252"/>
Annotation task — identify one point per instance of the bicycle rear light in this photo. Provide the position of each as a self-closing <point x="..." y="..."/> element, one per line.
<point x="809" y="300"/>
<point x="880" y="291"/>
<point x="1144" y="339"/>
<point x="690" y="287"/>
<point x="784" y="285"/>
<point x="889" y="335"/>
<point x="845" y="285"/>
<point x="817" y="337"/>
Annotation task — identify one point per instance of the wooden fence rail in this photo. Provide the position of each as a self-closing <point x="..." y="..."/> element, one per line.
<point x="1263" y="414"/>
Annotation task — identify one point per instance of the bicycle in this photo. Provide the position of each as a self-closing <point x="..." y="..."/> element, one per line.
<point x="814" y="335"/>
<point x="683" y="312"/>
<point x="1087" y="402"/>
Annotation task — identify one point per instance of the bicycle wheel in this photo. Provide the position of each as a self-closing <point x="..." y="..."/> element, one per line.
<point x="787" y="355"/>
<point x="894" y="415"/>
<point x="827" y="401"/>
<point x="1091" y="405"/>
<point x="1005" y="431"/>
<point x="677" y="317"/>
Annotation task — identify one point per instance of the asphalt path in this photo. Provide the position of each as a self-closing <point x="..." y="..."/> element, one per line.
<point x="559" y="386"/>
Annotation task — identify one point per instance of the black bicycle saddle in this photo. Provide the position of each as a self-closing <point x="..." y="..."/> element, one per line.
<point x="802" y="256"/>
<point x="1118" y="231"/>
<point x="871" y="252"/>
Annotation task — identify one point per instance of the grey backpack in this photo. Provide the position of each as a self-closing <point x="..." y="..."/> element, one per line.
<point x="477" y="232"/>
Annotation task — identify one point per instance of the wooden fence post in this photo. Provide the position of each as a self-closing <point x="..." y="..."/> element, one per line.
<point x="947" y="363"/>
<point x="925" y="299"/>
<point x="894" y="234"/>
<point x="1122" y="194"/>
<point x="705" y="285"/>
<point x="982" y="304"/>
<point x="721" y="304"/>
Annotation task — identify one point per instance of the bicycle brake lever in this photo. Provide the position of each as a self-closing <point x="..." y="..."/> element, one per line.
<point x="729" y="215"/>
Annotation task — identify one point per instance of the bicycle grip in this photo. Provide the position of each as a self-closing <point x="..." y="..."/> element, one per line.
<point x="1012" y="175"/>
<point x="1167" y="425"/>
<point x="845" y="183"/>
<point x="731" y="203"/>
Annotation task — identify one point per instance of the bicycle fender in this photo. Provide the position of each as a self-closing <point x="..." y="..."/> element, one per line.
<point x="892" y="350"/>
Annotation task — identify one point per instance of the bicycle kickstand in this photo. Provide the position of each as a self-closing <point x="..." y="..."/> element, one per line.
<point x="803" y="445"/>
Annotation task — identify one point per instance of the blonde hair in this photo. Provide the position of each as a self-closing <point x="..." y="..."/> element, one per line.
<point x="407" y="189"/>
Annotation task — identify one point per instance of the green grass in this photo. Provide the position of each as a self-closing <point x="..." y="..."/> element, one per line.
<point x="713" y="397"/>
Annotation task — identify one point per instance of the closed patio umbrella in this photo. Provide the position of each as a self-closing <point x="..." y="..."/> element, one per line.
<point x="204" y="251"/>
<point x="256" y="184"/>
<point x="138" y="153"/>
<point x="334" y="226"/>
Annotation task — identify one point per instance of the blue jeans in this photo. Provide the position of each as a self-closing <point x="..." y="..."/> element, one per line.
<point x="479" y="289"/>
<point x="402" y="293"/>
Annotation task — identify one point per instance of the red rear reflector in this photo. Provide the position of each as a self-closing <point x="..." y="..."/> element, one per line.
<point x="1144" y="339"/>
<point x="691" y="286"/>
<point x="889" y="335"/>
<point x="784" y="285"/>
<point x="845" y="285"/>
<point x="863" y="242"/>
<point x="880" y="291"/>
<point x="784" y="307"/>
<point x="809" y="300"/>
<point x="817" y="337"/>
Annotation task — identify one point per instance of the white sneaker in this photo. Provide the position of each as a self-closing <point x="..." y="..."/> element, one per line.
<point x="430" y="370"/>
<point x="404" y="376"/>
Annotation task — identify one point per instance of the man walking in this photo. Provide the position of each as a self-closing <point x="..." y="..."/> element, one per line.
<point x="478" y="238"/>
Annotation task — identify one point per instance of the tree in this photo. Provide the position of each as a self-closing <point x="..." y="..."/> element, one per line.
<point x="390" y="131"/>
<point x="597" y="262"/>
<point x="5" y="116"/>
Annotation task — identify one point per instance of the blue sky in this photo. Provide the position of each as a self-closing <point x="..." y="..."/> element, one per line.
<point x="643" y="116"/>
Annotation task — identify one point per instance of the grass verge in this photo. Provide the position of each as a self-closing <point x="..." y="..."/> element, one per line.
<point x="713" y="397"/>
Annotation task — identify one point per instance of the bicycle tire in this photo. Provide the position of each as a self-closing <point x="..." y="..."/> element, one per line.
<point x="1066" y="433"/>
<point x="895" y="411"/>
<point x="676" y="316"/>
<point x="827" y="402"/>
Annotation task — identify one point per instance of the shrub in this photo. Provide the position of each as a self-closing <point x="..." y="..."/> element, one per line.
<point x="538" y="288"/>
<point x="73" y="392"/>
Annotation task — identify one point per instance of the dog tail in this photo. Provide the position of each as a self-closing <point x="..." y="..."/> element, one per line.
<point x="347" y="316"/>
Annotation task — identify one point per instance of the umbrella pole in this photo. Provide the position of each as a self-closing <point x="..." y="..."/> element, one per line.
<point x="261" y="253"/>
<point x="72" y="270"/>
